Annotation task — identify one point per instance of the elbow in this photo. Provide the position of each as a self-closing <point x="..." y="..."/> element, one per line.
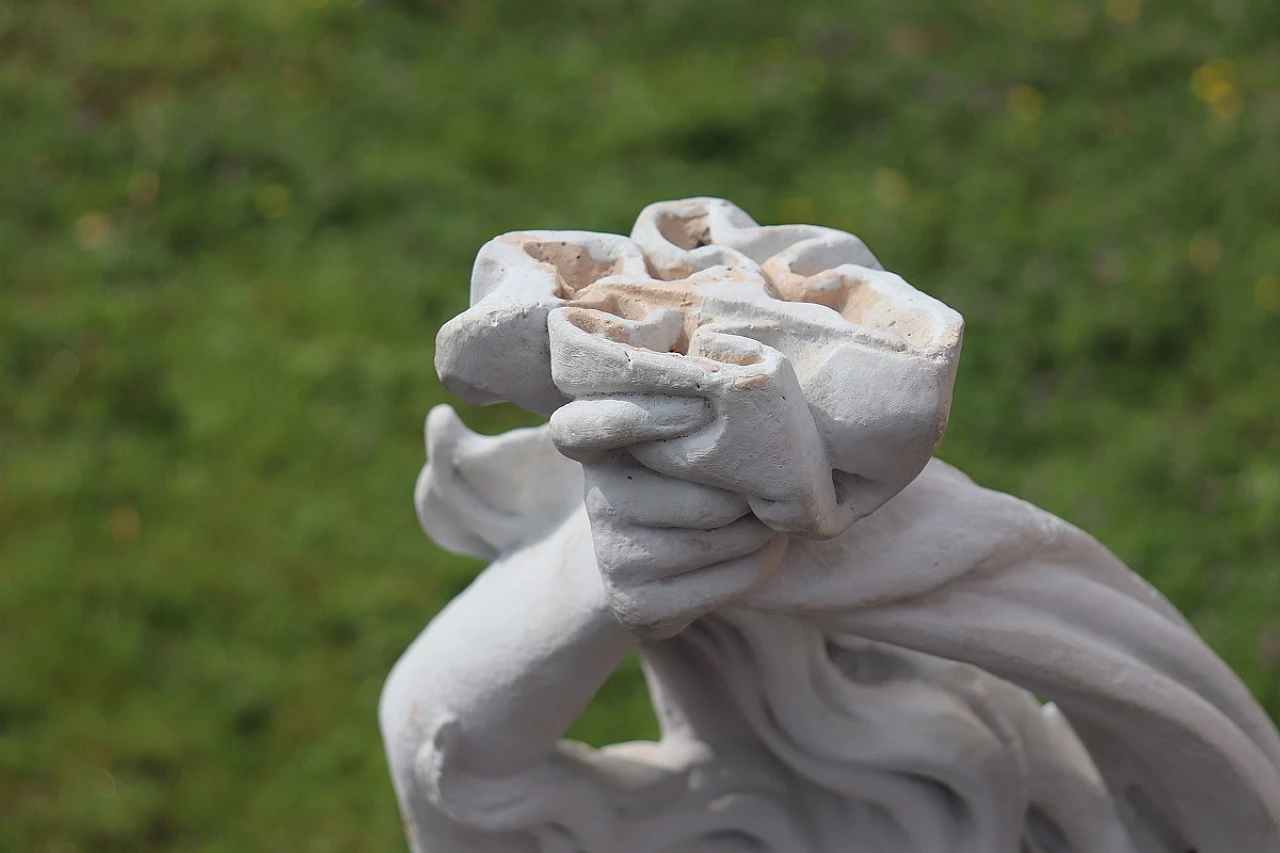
<point x="408" y="716"/>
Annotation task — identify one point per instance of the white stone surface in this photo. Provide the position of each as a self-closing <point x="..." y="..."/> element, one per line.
<point x="843" y="638"/>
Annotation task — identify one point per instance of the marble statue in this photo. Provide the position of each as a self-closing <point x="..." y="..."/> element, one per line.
<point x="849" y="645"/>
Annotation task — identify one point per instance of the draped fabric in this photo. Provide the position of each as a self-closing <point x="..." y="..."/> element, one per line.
<point x="865" y="702"/>
<point x="863" y="698"/>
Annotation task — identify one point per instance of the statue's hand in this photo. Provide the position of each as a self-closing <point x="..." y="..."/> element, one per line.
<point x="747" y="427"/>
<point x="697" y="468"/>
<point x="668" y="550"/>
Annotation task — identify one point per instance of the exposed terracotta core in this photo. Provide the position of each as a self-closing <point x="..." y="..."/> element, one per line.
<point x="688" y="232"/>
<point x="574" y="266"/>
<point x="635" y="301"/>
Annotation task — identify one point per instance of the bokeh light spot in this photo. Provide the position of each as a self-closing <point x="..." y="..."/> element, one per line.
<point x="1025" y="103"/>
<point x="1124" y="11"/>
<point x="144" y="186"/>
<point x="274" y="200"/>
<point x="906" y="42"/>
<point x="1214" y="83"/>
<point x="890" y="188"/>
<point x="125" y="525"/>
<point x="93" y="230"/>
<point x="798" y="208"/>
<point x="1267" y="293"/>
<point x="1204" y="252"/>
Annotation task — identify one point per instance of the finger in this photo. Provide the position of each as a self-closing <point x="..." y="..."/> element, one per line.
<point x="715" y="342"/>
<point x="699" y="458"/>
<point x="586" y="361"/>
<point x="585" y="428"/>
<point x="634" y="554"/>
<point x="633" y="494"/>
<point x="656" y="611"/>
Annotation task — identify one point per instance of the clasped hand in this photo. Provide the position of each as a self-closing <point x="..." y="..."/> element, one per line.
<point x="698" y="467"/>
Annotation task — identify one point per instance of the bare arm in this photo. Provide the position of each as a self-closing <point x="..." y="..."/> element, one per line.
<point x="474" y="711"/>
<point x="479" y="701"/>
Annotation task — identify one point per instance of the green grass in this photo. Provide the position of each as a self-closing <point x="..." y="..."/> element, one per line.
<point x="230" y="228"/>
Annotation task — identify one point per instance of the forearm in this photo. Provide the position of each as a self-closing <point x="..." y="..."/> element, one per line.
<point x="507" y="667"/>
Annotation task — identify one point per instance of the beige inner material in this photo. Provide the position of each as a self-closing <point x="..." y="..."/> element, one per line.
<point x="574" y="266"/>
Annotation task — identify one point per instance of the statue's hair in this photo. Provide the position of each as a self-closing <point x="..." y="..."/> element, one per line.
<point x="922" y="754"/>
<point x="867" y="748"/>
<point x="907" y="752"/>
<point x="782" y="735"/>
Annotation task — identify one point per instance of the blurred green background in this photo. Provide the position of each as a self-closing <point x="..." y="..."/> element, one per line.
<point x="230" y="228"/>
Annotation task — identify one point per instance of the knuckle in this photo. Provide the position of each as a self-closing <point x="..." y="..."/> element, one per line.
<point x="637" y="611"/>
<point x="599" y="507"/>
<point x="624" y="551"/>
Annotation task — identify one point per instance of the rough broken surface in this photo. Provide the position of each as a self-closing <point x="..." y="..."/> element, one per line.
<point x="843" y="638"/>
<point x="874" y="358"/>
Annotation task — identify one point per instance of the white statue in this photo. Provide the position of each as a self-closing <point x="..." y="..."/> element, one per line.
<point x="844" y="639"/>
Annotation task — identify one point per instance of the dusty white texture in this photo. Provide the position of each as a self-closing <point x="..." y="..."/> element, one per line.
<point x="843" y="638"/>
